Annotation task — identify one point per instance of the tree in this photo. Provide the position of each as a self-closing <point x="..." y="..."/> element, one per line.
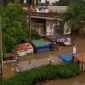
<point x="66" y="2"/>
<point x="61" y="3"/>
<point x="14" y="26"/>
<point x="76" y="14"/>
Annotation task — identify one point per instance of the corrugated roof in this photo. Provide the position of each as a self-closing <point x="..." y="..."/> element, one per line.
<point x="47" y="16"/>
<point x="11" y="54"/>
<point x="43" y="14"/>
<point x="23" y="46"/>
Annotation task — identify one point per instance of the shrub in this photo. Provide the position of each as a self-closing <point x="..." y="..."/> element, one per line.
<point x="14" y="26"/>
<point x="35" y="34"/>
<point x="45" y="72"/>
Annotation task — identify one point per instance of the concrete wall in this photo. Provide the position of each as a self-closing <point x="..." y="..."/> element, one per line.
<point x="59" y="9"/>
<point x="50" y="27"/>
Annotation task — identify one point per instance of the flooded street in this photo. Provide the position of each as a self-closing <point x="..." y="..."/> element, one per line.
<point x="78" y="80"/>
<point x="9" y="69"/>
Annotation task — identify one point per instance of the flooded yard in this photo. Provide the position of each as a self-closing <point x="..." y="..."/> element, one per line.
<point x="42" y="58"/>
<point x="78" y="80"/>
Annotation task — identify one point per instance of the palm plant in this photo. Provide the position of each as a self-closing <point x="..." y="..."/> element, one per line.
<point x="76" y="14"/>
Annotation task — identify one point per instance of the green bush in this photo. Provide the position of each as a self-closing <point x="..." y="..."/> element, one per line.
<point x="45" y="72"/>
<point x="34" y="34"/>
<point x="14" y="26"/>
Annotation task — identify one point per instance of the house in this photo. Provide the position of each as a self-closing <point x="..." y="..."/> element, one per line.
<point x="24" y="49"/>
<point x="10" y="57"/>
<point x="57" y="9"/>
<point x="45" y="23"/>
<point x="49" y="21"/>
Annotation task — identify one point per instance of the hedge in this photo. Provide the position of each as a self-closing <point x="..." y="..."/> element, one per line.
<point x="45" y="72"/>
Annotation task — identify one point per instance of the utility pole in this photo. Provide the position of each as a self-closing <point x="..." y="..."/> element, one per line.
<point x="29" y="22"/>
<point x="28" y="3"/>
<point x="1" y="53"/>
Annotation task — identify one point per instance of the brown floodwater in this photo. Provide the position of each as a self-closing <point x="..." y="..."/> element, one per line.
<point x="78" y="80"/>
<point x="9" y="69"/>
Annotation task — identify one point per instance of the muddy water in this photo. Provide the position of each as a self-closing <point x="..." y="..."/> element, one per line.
<point x="79" y="80"/>
<point x="9" y="68"/>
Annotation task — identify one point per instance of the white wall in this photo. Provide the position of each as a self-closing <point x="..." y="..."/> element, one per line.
<point x="50" y="27"/>
<point x="51" y="1"/>
<point x="59" y="9"/>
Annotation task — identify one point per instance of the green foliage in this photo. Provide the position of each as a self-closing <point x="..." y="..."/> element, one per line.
<point x="61" y="3"/>
<point x="67" y="2"/>
<point x="45" y="72"/>
<point x="14" y="26"/>
<point x="34" y="34"/>
<point x="76" y="15"/>
<point x="77" y="11"/>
